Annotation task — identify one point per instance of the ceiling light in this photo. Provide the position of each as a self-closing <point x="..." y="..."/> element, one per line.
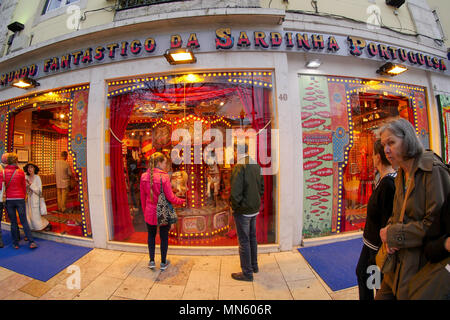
<point x="25" y="83"/>
<point x="313" y="64"/>
<point x="391" y="69"/>
<point x="180" y="56"/>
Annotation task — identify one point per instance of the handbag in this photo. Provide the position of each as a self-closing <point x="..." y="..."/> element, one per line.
<point x="42" y="206"/>
<point x="432" y="282"/>
<point x="387" y="261"/>
<point x="164" y="210"/>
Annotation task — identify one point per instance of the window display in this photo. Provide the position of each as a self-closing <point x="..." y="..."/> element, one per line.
<point x="39" y="128"/>
<point x="194" y="119"/>
<point x="339" y="119"/>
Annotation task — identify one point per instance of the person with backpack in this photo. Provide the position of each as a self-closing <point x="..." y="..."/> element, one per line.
<point x="152" y="182"/>
<point x="421" y="188"/>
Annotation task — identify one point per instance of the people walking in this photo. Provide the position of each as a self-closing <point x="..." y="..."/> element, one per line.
<point x="152" y="181"/>
<point x="247" y="188"/>
<point x="422" y="185"/>
<point x="35" y="202"/>
<point x="379" y="210"/>
<point x="15" y="188"/>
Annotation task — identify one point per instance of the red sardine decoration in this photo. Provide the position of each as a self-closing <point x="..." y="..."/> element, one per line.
<point x="312" y="151"/>
<point x="309" y="88"/>
<point x="309" y="107"/>
<point x="320" y="104"/>
<point x="309" y="98"/>
<point x="315" y="210"/>
<point x="323" y="207"/>
<point x="314" y="197"/>
<point x="310" y="93"/>
<point x="323" y="200"/>
<point x="315" y="203"/>
<point x="321" y="97"/>
<point x="311" y="165"/>
<point x="312" y="123"/>
<point x="319" y="186"/>
<point x="326" y="157"/>
<point x="319" y="91"/>
<point x="323" y="172"/>
<point x="306" y="115"/>
<point x="323" y="114"/>
<point x="324" y="193"/>
<point x="313" y="179"/>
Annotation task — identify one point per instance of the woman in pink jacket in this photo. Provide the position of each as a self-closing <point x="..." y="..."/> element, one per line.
<point x="15" y="187"/>
<point x="150" y="189"/>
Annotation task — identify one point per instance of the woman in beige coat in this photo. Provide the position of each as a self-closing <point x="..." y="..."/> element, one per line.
<point x="430" y="185"/>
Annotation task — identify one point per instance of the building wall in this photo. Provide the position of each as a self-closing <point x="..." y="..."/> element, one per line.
<point x="7" y="8"/>
<point x="359" y="10"/>
<point x="442" y="8"/>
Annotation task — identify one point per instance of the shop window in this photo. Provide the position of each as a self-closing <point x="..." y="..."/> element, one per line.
<point x="145" y="115"/>
<point x="340" y="117"/>
<point x="39" y="128"/>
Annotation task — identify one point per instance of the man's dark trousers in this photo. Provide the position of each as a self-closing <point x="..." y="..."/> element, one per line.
<point x="246" y="232"/>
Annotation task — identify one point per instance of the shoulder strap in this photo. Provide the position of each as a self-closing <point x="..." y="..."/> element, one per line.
<point x="161" y="189"/>
<point x="6" y="187"/>
<point x="408" y="191"/>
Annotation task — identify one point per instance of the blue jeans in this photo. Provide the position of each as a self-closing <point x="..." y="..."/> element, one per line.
<point x="11" y="207"/>
<point x="248" y="247"/>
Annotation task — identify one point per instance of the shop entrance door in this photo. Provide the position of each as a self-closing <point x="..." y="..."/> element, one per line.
<point x="369" y="113"/>
<point x="40" y="135"/>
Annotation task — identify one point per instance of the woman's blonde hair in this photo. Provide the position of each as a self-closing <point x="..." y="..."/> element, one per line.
<point x="155" y="159"/>
<point x="12" y="158"/>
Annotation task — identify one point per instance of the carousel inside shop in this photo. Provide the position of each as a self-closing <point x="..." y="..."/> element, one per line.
<point x="147" y="113"/>
<point x="39" y="128"/>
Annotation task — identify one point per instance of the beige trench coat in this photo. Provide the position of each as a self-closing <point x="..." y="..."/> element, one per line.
<point x="430" y="187"/>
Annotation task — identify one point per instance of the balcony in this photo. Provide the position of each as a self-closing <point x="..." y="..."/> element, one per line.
<point x="129" y="4"/>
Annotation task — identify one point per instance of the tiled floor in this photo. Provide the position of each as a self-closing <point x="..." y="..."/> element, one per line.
<point x="117" y="275"/>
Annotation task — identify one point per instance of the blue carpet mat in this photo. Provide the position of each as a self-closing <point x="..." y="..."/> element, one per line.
<point x="41" y="263"/>
<point x="335" y="262"/>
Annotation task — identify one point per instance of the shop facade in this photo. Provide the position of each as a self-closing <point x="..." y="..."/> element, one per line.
<point x="111" y="99"/>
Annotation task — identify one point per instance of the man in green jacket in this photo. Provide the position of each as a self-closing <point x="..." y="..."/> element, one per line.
<point x="247" y="188"/>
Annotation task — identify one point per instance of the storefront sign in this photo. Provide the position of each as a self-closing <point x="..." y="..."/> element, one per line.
<point x="225" y="39"/>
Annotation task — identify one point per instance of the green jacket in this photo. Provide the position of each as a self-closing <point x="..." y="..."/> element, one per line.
<point x="247" y="188"/>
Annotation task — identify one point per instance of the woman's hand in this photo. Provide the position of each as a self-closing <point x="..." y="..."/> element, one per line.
<point x="447" y="244"/>
<point x="383" y="234"/>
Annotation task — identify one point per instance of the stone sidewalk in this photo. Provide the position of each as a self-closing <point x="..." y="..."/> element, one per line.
<point x="118" y="275"/>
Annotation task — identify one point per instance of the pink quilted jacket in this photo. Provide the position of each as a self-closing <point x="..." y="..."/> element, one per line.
<point x="148" y="204"/>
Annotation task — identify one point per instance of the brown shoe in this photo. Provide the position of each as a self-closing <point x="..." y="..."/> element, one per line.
<point x="241" y="277"/>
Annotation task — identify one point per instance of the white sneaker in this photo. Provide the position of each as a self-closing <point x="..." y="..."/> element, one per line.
<point x="152" y="265"/>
